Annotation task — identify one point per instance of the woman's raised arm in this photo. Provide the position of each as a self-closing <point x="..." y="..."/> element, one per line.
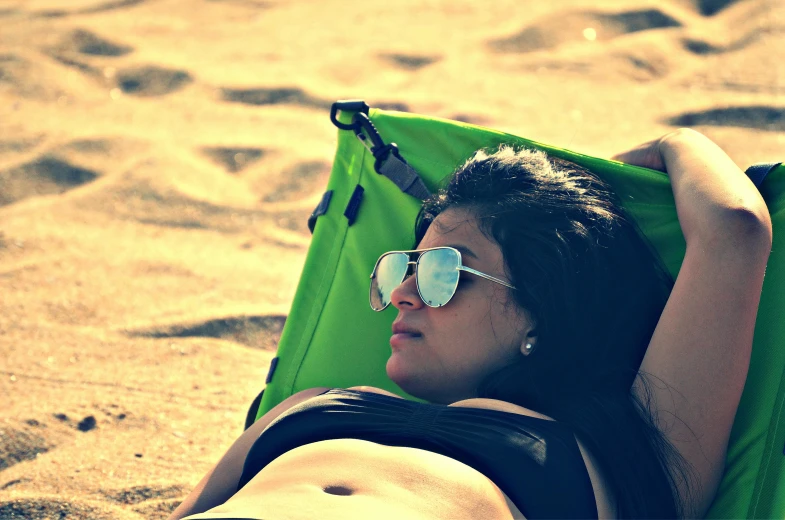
<point x="699" y="354"/>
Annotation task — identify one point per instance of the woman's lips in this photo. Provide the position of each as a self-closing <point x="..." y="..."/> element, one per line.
<point x="401" y="338"/>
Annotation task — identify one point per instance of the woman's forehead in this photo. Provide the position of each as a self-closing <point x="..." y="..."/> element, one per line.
<point x="458" y="227"/>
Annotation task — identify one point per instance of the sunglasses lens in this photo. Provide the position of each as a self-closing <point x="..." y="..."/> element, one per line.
<point x="437" y="276"/>
<point x="389" y="273"/>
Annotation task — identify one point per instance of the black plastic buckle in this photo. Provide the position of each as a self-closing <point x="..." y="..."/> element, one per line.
<point x="354" y="204"/>
<point x="364" y="129"/>
<point x="348" y="105"/>
<point x="271" y="370"/>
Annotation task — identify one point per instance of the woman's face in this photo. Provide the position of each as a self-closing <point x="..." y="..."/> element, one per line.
<point x="479" y="331"/>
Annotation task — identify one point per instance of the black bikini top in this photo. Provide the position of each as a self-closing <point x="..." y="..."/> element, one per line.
<point x="534" y="461"/>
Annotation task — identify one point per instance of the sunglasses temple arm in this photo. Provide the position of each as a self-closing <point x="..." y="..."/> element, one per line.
<point x="486" y="276"/>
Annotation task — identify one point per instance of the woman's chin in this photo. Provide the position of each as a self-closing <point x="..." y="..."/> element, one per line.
<point x="399" y="372"/>
<point x="393" y="368"/>
<point x="406" y="376"/>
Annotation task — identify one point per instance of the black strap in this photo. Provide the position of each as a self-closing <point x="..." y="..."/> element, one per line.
<point x="404" y="176"/>
<point x="320" y="209"/>
<point x="758" y="172"/>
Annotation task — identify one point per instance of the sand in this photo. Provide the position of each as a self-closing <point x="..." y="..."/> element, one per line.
<point x="159" y="160"/>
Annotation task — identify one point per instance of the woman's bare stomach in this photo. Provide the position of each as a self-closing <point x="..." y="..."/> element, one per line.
<point x="315" y="481"/>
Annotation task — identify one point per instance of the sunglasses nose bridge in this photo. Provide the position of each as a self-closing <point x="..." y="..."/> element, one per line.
<point x="411" y="269"/>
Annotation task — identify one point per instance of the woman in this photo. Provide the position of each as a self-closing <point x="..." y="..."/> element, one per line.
<point x="568" y="375"/>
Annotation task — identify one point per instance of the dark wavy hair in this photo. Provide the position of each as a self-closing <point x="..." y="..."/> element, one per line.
<point x="595" y="290"/>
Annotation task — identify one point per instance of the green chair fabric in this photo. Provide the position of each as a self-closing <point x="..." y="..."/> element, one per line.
<point x="332" y="337"/>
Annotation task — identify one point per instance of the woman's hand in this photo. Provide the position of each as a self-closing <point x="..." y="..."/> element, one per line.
<point x="646" y="155"/>
<point x="715" y="201"/>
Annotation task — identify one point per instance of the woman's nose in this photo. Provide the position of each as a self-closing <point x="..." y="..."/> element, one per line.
<point x="406" y="295"/>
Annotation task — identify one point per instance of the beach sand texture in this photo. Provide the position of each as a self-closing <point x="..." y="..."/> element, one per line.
<point x="159" y="160"/>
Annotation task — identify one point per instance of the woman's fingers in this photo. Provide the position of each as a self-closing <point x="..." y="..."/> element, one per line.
<point x="646" y="155"/>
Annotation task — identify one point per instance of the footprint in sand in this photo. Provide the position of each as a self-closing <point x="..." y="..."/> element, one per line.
<point x="44" y="176"/>
<point x="274" y="96"/>
<point x="18" y="445"/>
<point x="99" y="8"/>
<point x="12" y="483"/>
<point x="91" y="146"/>
<point x="81" y="66"/>
<point x="19" y="145"/>
<point x="106" y="155"/>
<point x="759" y="117"/>
<point x="258" y="4"/>
<point x="159" y="508"/>
<point x="262" y="332"/>
<point x="409" y="61"/>
<point x="472" y="119"/>
<point x="300" y="181"/>
<point x="162" y="205"/>
<point x="296" y="221"/>
<point x="47" y="508"/>
<point x="233" y="159"/>
<point x="711" y="7"/>
<point x="151" y="80"/>
<point x="702" y="47"/>
<point x="85" y="42"/>
<point x="29" y="439"/>
<point x="22" y="77"/>
<point x="138" y="494"/>
<point x="561" y="28"/>
<point x="392" y="105"/>
<point x="78" y="44"/>
<point x="291" y="96"/>
<point x="145" y="81"/>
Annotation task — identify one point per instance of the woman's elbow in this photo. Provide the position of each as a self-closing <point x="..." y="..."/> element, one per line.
<point x="748" y="226"/>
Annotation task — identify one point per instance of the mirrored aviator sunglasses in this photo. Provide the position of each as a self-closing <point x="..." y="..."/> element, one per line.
<point x="436" y="270"/>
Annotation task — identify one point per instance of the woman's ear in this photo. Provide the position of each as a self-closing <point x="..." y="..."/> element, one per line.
<point x="530" y="343"/>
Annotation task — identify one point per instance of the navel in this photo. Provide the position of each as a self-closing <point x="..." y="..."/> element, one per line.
<point x="338" y="490"/>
